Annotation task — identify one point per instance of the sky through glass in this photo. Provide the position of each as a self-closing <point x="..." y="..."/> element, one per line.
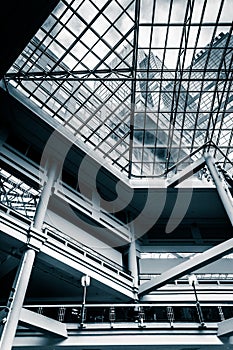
<point x="144" y="84"/>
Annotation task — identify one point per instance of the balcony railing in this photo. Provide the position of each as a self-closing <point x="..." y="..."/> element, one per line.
<point x="145" y="314"/>
<point x="67" y="241"/>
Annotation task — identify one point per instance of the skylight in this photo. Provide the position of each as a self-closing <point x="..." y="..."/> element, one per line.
<point x="142" y="83"/>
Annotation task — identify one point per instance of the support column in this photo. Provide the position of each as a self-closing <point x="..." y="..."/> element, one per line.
<point x="221" y="187"/>
<point x="45" y="195"/>
<point x="132" y="260"/>
<point x="19" y="288"/>
<point x="15" y="301"/>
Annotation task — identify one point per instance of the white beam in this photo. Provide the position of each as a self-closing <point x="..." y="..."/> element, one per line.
<point x="187" y="172"/>
<point x="225" y="328"/>
<point x="126" y="338"/>
<point x="186" y="267"/>
<point x="34" y="320"/>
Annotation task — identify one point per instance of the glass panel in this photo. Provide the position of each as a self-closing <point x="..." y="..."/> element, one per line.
<point x="165" y="78"/>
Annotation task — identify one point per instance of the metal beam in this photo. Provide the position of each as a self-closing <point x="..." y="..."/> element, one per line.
<point x="221" y="187"/>
<point x="225" y="328"/>
<point x="35" y="320"/>
<point x="130" y="337"/>
<point x="15" y="300"/>
<point x="187" y="172"/>
<point x="186" y="267"/>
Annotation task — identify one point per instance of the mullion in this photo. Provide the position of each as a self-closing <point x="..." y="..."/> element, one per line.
<point x="161" y="81"/>
<point x="111" y="49"/>
<point x="205" y="70"/>
<point x="91" y="94"/>
<point x="107" y="154"/>
<point x="37" y="47"/>
<point x="221" y="128"/>
<point x="134" y="82"/>
<point x="187" y="89"/>
<point x="216" y="88"/>
<point x="147" y="84"/>
<point x="63" y="25"/>
<point x="101" y="103"/>
<point x="181" y="24"/>
<point x="52" y="75"/>
<point x="224" y="86"/>
<point x="112" y="24"/>
<point x="176" y="94"/>
<point x="88" y="26"/>
<point x="62" y="105"/>
<point x="112" y="131"/>
<point x="40" y="77"/>
<point x="116" y="144"/>
<point x="110" y="52"/>
<point x="175" y="48"/>
<point x="107" y="118"/>
<point x="121" y="155"/>
<point x="175" y="81"/>
<point x="39" y="44"/>
<point x="125" y="9"/>
<point x="190" y="73"/>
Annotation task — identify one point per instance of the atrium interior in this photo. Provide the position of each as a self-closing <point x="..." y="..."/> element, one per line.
<point x="116" y="174"/>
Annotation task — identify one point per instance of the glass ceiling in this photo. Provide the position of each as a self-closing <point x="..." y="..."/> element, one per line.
<point x="142" y="83"/>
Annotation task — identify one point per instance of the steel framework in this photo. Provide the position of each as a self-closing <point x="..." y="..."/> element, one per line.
<point x="142" y="86"/>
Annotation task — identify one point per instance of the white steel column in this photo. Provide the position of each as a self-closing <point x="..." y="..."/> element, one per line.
<point x="221" y="187"/>
<point x="45" y="195"/>
<point x="132" y="260"/>
<point x="16" y="299"/>
<point x="19" y="288"/>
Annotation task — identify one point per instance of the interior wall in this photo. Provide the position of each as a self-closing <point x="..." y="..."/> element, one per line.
<point x="157" y="266"/>
<point x="82" y="236"/>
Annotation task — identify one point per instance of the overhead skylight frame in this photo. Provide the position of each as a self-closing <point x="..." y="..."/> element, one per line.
<point x="178" y="103"/>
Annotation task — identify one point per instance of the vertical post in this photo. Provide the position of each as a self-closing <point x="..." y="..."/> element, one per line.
<point x="112" y="315"/>
<point x="45" y="195"/>
<point x="132" y="261"/>
<point x="16" y="299"/>
<point x="133" y="265"/>
<point x="198" y="306"/>
<point x="132" y="257"/>
<point x="85" y="282"/>
<point x="19" y="288"/>
<point x="192" y="282"/>
<point x="223" y="191"/>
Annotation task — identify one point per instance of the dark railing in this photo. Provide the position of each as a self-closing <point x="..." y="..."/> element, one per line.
<point x="133" y="313"/>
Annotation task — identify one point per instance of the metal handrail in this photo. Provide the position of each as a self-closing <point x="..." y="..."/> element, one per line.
<point x="84" y="247"/>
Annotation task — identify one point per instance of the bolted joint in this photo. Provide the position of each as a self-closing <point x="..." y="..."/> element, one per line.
<point x="36" y="238"/>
